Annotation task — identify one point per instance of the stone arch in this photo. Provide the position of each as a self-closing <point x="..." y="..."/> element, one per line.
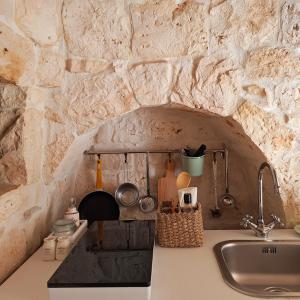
<point x="166" y="127"/>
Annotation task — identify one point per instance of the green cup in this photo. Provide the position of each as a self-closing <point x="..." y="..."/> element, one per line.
<point x="193" y="165"/>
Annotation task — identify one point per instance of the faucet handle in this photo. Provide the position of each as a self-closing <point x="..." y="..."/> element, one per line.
<point x="277" y="220"/>
<point x="246" y="221"/>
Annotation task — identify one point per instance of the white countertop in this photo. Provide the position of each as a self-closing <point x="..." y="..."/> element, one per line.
<point x="181" y="274"/>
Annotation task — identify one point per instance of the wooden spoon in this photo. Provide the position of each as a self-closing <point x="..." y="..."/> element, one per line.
<point x="183" y="180"/>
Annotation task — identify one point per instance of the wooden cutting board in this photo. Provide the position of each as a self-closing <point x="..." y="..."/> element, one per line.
<point x="167" y="190"/>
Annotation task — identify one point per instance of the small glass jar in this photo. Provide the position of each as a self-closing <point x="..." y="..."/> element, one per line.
<point x="64" y="227"/>
<point x="49" y="248"/>
<point x="63" y="247"/>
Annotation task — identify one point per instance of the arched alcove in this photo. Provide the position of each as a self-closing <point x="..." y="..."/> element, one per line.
<point x="175" y="127"/>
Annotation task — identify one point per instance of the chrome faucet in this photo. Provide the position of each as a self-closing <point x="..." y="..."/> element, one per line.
<point x="260" y="229"/>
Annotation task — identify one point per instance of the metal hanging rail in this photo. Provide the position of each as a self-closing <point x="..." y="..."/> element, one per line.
<point x="100" y="152"/>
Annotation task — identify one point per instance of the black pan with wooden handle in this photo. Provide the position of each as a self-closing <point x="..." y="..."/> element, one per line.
<point x="98" y="205"/>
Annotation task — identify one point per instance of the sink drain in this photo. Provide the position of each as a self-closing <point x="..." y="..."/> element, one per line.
<point x="276" y="289"/>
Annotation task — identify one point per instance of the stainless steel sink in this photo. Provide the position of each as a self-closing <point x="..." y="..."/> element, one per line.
<point x="261" y="268"/>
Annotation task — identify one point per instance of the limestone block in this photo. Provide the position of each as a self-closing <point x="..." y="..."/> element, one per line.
<point x="220" y="25"/>
<point x="164" y="29"/>
<point x="243" y="24"/>
<point x="97" y="29"/>
<point x="12" y="164"/>
<point x="11" y="97"/>
<point x="150" y="82"/>
<point x="55" y="152"/>
<point x="10" y="203"/>
<point x="76" y="65"/>
<point x="40" y="20"/>
<point x="16" y="57"/>
<point x="7" y="8"/>
<point x="209" y="83"/>
<point x="287" y="98"/>
<point x="272" y="63"/>
<point x="94" y="98"/>
<point x="13" y="245"/>
<point x="293" y="121"/>
<point x="50" y="68"/>
<point x="217" y="86"/>
<point x="258" y="94"/>
<point x="183" y="82"/>
<point x="290" y="23"/>
<point x="270" y="135"/>
<point x="33" y="144"/>
<point x="11" y="130"/>
<point x="30" y="212"/>
<point x="34" y="230"/>
<point x="53" y="116"/>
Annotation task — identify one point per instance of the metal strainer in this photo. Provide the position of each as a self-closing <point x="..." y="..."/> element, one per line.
<point x="127" y="194"/>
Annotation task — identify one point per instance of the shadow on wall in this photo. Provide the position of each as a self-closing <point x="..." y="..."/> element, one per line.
<point x="165" y="127"/>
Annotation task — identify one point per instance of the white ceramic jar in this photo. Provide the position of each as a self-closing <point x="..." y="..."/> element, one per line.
<point x="49" y="248"/>
<point x="63" y="247"/>
<point x="72" y="212"/>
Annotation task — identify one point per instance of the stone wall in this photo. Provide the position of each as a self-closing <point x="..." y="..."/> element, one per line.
<point x="68" y="66"/>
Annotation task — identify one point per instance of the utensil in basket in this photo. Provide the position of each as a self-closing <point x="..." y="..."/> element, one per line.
<point x="181" y="229"/>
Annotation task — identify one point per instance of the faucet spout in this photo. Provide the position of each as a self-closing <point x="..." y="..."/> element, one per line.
<point x="262" y="167"/>
<point x="260" y="228"/>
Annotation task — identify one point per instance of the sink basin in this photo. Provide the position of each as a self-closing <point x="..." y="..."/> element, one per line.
<point x="261" y="268"/>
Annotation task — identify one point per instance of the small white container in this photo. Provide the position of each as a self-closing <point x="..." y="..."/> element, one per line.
<point x="49" y="248"/>
<point x="63" y="247"/>
<point x="188" y="190"/>
<point x="72" y="213"/>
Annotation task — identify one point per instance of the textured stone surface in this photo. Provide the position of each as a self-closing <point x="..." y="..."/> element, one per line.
<point x="55" y="152"/>
<point x="256" y="22"/>
<point x="33" y="141"/>
<point x="270" y="135"/>
<point x="13" y="244"/>
<point x="7" y="8"/>
<point x="207" y="83"/>
<point x="97" y="29"/>
<point x="11" y="97"/>
<point x="10" y="203"/>
<point x="273" y="138"/>
<point x="290" y="23"/>
<point x="273" y="63"/>
<point x="259" y="94"/>
<point x="76" y="65"/>
<point x="94" y="98"/>
<point x="40" y="20"/>
<point x="72" y="67"/>
<point x="184" y="80"/>
<point x="287" y="98"/>
<point x="145" y="78"/>
<point x="243" y="25"/>
<point x="164" y="29"/>
<point x="53" y="116"/>
<point x="16" y="57"/>
<point x="50" y="68"/>
<point x="216" y="87"/>
<point x="12" y="164"/>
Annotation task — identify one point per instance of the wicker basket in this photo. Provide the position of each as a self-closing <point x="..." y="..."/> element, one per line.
<point x="180" y="230"/>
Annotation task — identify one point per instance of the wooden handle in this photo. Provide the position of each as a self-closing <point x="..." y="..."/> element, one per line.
<point x="99" y="182"/>
<point x="170" y="166"/>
